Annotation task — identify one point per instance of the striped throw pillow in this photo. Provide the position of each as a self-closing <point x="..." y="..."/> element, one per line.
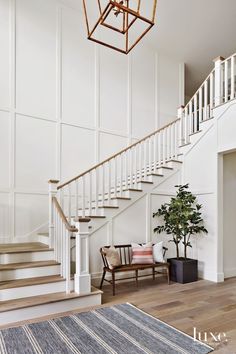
<point x="142" y="254"/>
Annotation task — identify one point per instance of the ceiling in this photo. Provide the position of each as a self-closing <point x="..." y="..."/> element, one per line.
<point x="195" y="32"/>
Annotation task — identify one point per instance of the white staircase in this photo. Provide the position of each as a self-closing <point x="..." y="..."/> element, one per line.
<point x="39" y="274"/>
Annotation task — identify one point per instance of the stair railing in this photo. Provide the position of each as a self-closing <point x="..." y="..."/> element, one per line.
<point x="85" y="194"/>
<point x="60" y="234"/>
<point x="218" y="88"/>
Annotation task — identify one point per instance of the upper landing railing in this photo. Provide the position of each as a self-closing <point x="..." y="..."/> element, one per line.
<point x="218" y="88"/>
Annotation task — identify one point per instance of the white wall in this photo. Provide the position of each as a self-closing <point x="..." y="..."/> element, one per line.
<point x="229" y="213"/>
<point x="66" y="104"/>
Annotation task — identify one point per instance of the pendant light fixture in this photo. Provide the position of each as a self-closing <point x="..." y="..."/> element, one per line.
<point x="120" y="24"/>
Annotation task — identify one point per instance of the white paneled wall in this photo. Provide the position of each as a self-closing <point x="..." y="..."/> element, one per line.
<point x="65" y="104"/>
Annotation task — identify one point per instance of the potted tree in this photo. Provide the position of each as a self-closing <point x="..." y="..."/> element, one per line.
<point x="182" y="219"/>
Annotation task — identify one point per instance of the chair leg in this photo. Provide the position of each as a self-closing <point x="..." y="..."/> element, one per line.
<point x="168" y="275"/>
<point x="102" y="280"/>
<point x="113" y="284"/>
<point x="153" y="273"/>
<point x="136" y="277"/>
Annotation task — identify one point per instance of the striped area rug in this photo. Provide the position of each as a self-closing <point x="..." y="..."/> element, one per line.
<point x="121" y="329"/>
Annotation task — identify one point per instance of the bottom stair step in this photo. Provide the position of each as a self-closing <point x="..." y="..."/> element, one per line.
<point x="44" y="305"/>
<point x="25" y="288"/>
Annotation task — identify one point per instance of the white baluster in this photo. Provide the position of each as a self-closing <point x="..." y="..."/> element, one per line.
<point x="109" y="181"/>
<point x="218" y="80"/>
<point x="121" y="175"/>
<point x="140" y="161"/>
<point x="186" y="125"/>
<point x="155" y="153"/>
<point x="96" y="189"/>
<point x="115" y="177"/>
<point x="191" y="116"/>
<point x="131" y="167"/>
<point x="135" y="166"/>
<point x="90" y="192"/>
<point x="159" y="148"/>
<point x="226" y="81"/>
<point x="52" y="193"/>
<point x="83" y="196"/>
<point x="205" y="99"/>
<point x="76" y="198"/>
<point x="164" y="145"/>
<point x="145" y="159"/>
<point x="172" y="141"/>
<point x="232" y="91"/>
<point x="103" y="174"/>
<point x="67" y="261"/>
<point x="126" y="170"/>
<point x="195" y="123"/>
<point x="150" y="154"/>
<point x="69" y="203"/>
<point x="200" y="104"/>
<point x="211" y="93"/>
<point x="176" y="144"/>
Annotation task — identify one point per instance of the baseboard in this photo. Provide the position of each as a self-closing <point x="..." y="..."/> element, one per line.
<point x="211" y="275"/>
<point x="229" y="273"/>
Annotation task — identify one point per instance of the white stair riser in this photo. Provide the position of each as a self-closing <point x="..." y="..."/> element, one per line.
<point x="37" y="311"/>
<point x="43" y="239"/>
<point x="32" y="290"/>
<point x="9" y="258"/>
<point x="29" y="272"/>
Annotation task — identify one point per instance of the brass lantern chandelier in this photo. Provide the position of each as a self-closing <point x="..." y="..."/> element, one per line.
<point x="119" y="24"/>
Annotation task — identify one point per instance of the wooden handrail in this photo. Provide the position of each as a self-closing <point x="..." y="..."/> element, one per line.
<point x="117" y="154"/>
<point x="69" y="227"/>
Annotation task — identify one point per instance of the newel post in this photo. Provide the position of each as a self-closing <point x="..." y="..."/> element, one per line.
<point x="181" y="125"/>
<point x="52" y="191"/>
<point x="218" y="81"/>
<point x="82" y="276"/>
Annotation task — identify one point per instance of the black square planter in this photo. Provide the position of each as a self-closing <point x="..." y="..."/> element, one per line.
<point x="183" y="270"/>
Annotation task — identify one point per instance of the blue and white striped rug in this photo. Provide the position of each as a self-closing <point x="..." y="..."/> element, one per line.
<point x="121" y="329"/>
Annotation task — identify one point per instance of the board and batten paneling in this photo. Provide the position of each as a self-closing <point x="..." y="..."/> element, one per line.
<point x="65" y="104"/>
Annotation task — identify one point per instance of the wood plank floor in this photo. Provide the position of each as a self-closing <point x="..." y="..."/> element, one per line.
<point x="209" y="307"/>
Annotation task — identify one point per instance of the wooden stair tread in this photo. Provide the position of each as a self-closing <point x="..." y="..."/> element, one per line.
<point x="23" y="247"/>
<point x="147" y="182"/>
<point x="10" y="284"/>
<point x="11" y="305"/>
<point x="120" y="198"/>
<point x="133" y="190"/>
<point x="176" y="161"/>
<point x="23" y="265"/>
<point x="155" y="174"/>
<point x="165" y="167"/>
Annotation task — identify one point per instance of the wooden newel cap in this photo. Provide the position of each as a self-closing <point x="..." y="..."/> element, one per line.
<point x="218" y="58"/>
<point x="53" y="181"/>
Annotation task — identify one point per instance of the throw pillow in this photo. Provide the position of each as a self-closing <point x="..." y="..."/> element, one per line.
<point x="112" y="257"/>
<point x="158" y="252"/>
<point x="142" y="254"/>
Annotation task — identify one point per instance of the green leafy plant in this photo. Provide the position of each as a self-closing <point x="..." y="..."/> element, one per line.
<point x="182" y="218"/>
